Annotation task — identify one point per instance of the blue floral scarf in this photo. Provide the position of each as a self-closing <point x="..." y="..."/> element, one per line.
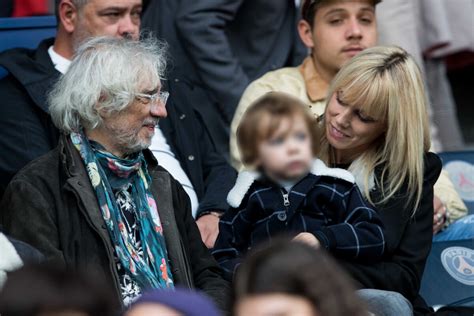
<point x="152" y="269"/>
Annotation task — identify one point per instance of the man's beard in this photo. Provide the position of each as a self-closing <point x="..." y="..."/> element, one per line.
<point x="127" y="140"/>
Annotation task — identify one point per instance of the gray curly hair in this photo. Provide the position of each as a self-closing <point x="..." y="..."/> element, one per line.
<point x="102" y="69"/>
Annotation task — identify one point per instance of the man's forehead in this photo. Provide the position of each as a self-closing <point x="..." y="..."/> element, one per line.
<point x="341" y="5"/>
<point x="102" y="4"/>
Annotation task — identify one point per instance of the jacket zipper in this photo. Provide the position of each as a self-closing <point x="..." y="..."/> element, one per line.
<point x="286" y="200"/>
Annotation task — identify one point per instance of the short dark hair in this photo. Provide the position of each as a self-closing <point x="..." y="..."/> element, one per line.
<point x="45" y="288"/>
<point x="309" y="8"/>
<point x="294" y="268"/>
<point x="264" y="116"/>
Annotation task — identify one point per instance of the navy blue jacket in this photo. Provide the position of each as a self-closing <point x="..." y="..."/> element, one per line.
<point x="27" y="129"/>
<point x="325" y="203"/>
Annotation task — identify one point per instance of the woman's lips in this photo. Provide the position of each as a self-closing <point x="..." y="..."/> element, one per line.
<point x="336" y="133"/>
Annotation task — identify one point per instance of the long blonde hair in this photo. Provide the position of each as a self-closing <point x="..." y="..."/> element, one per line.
<point x="386" y="83"/>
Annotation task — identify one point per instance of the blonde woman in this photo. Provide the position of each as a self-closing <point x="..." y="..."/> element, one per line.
<point x="376" y="126"/>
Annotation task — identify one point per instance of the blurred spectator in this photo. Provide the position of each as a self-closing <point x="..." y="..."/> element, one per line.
<point x="430" y="30"/>
<point x="24" y="8"/>
<point x="180" y="302"/>
<point x="219" y="47"/>
<point x="6" y="9"/>
<point x="293" y="279"/>
<point x="14" y="254"/>
<point x="41" y="290"/>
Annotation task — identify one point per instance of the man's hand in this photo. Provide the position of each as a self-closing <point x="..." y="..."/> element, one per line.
<point x="209" y="228"/>
<point x="439" y="215"/>
<point x="308" y="239"/>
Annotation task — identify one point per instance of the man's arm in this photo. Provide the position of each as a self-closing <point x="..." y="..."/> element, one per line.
<point x="202" y="27"/>
<point x="27" y="131"/>
<point x="27" y="216"/>
<point x="219" y="177"/>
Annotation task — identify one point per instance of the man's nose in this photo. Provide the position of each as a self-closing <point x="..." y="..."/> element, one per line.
<point x="354" y="30"/>
<point x="158" y="109"/>
<point x="129" y="27"/>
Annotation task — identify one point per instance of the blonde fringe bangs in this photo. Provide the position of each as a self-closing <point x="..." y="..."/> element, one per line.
<point x="394" y="93"/>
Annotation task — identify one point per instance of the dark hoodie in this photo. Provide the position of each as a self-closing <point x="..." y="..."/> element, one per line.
<point x="27" y="129"/>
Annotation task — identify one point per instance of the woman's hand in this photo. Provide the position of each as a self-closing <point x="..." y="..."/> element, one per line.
<point x="439" y="215"/>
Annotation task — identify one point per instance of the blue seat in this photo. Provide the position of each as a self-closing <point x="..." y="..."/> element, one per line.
<point x="448" y="278"/>
<point x="25" y="32"/>
<point x="449" y="274"/>
<point x="460" y="166"/>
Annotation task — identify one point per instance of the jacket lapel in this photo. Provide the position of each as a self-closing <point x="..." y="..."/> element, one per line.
<point x="161" y="189"/>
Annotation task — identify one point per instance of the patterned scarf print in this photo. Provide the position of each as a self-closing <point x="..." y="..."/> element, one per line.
<point x="99" y="163"/>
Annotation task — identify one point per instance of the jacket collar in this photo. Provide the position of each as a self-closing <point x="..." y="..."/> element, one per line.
<point x="316" y="87"/>
<point x="33" y="69"/>
<point x="357" y="168"/>
<point x="246" y="178"/>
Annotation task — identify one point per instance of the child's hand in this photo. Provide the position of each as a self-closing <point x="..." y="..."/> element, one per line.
<point x="308" y="239"/>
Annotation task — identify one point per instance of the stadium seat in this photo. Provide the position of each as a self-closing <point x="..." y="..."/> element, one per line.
<point x="448" y="278"/>
<point x="25" y="32"/>
<point x="460" y="166"/>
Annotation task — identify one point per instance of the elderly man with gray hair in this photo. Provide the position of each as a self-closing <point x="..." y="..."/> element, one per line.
<point x="99" y="201"/>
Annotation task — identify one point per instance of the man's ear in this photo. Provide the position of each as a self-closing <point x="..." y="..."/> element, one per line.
<point x="306" y="33"/>
<point x="68" y="15"/>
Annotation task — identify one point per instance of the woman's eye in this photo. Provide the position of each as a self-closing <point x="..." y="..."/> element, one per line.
<point x="364" y="118"/>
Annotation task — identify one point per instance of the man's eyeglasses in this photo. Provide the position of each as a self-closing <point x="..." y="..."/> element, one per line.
<point x="161" y="96"/>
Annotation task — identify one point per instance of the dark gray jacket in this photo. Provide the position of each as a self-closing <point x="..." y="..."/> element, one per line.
<point x="223" y="45"/>
<point x="51" y="205"/>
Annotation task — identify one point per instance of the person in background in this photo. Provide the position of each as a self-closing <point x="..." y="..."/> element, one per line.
<point x="291" y="278"/>
<point x="179" y="302"/>
<point x="287" y="190"/>
<point x="44" y="290"/>
<point x="220" y="46"/>
<point x="99" y="201"/>
<point x="335" y="31"/>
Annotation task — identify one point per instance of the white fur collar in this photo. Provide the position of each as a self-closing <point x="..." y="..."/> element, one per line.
<point x="9" y="260"/>
<point x="357" y="169"/>
<point x="247" y="177"/>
